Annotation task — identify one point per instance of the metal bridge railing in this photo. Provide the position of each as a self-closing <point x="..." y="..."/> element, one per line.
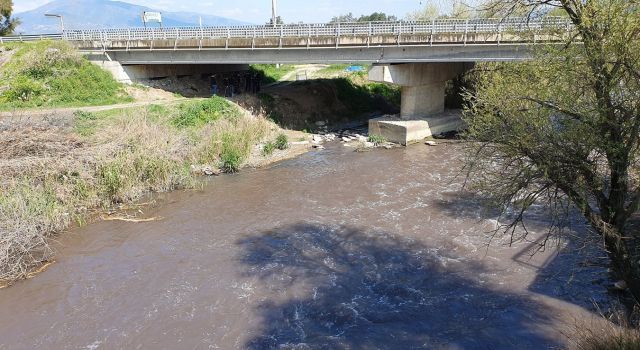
<point x="439" y="26"/>
<point x="19" y="38"/>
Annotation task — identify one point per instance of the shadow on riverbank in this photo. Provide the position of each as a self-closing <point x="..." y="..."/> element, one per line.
<point x="342" y="287"/>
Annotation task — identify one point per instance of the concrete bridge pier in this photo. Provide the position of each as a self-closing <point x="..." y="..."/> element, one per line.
<point x="423" y="97"/>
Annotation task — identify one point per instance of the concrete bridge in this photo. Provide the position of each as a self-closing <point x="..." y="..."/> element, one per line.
<point x="419" y="56"/>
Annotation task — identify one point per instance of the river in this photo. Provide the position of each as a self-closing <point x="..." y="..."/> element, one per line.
<point x="333" y="249"/>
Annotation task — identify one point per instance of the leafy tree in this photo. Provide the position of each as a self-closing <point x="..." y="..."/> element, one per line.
<point x="377" y="17"/>
<point x="344" y="18"/>
<point x="564" y="128"/>
<point x="279" y="21"/>
<point x="431" y="11"/>
<point x="374" y="17"/>
<point x="427" y="13"/>
<point x="7" y="23"/>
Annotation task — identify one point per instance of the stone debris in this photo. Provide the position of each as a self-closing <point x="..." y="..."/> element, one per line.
<point x="330" y="137"/>
<point x="317" y="138"/>
<point x="318" y="147"/>
<point x="345" y="139"/>
<point x="300" y="143"/>
<point x="431" y="143"/>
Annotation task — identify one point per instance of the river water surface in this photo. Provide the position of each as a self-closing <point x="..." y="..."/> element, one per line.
<point x="334" y="249"/>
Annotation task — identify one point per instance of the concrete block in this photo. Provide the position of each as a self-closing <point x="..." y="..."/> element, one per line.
<point x="410" y="130"/>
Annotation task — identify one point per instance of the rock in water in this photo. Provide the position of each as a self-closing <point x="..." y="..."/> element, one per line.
<point x="621" y="285"/>
<point x="209" y="171"/>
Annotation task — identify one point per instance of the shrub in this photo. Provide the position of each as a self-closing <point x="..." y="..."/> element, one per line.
<point x="268" y="148"/>
<point x="232" y="153"/>
<point x="23" y="89"/>
<point x="282" y="142"/>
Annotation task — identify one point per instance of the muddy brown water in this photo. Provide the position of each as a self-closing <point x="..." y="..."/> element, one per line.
<point x="332" y="250"/>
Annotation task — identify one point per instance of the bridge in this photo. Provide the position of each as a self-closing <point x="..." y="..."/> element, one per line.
<point x="420" y="56"/>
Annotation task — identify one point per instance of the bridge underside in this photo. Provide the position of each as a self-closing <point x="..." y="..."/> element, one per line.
<point x="389" y="55"/>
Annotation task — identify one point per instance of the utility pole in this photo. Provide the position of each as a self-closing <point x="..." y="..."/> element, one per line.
<point x="274" y="12"/>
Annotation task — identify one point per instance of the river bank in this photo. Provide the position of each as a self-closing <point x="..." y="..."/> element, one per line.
<point x="66" y="168"/>
<point x="333" y="249"/>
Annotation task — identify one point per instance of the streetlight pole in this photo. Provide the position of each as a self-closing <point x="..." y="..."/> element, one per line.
<point x="274" y="12"/>
<point x="59" y="17"/>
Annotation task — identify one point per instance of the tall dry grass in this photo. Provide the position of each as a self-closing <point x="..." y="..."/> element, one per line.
<point x="118" y="156"/>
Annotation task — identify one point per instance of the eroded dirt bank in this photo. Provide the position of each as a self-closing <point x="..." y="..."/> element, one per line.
<point x="334" y="249"/>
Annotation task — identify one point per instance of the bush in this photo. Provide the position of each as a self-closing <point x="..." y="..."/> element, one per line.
<point x="268" y="148"/>
<point x="200" y="113"/>
<point x="232" y="153"/>
<point x="282" y="142"/>
<point x="23" y="89"/>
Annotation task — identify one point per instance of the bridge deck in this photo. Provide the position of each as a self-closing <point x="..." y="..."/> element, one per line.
<point x="457" y="39"/>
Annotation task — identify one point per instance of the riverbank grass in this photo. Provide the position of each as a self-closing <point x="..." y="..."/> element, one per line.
<point x="53" y="74"/>
<point x="72" y="169"/>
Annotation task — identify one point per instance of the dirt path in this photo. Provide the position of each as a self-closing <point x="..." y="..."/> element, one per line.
<point x="65" y="110"/>
<point x="289" y="78"/>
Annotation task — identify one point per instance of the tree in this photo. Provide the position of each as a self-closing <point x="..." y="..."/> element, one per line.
<point x="374" y="17"/>
<point x="428" y="13"/>
<point x="564" y="128"/>
<point x="279" y="21"/>
<point x="377" y="17"/>
<point x="7" y="23"/>
<point x="344" y="18"/>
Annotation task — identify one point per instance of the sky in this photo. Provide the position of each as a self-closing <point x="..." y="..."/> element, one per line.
<point x="258" y="11"/>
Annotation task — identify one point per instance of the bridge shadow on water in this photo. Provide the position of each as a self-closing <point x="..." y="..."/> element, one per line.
<point x="343" y="287"/>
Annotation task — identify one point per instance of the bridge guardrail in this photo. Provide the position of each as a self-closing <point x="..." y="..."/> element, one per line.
<point x="439" y="26"/>
<point x="331" y="29"/>
<point x="37" y="37"/>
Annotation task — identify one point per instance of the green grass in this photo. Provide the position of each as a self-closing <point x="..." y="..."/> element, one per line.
<point x="270" y="73"/>
<point x="268" y="148"/>
<point x="52" y="74"/>
<point x="84" y="123"/>
<point x="377" y="139"/>
<point x="367" y="97"/>
<point x="197" y="114"/>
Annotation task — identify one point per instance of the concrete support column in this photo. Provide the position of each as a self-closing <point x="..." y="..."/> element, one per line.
<point x="423" y="84"/>
<point x="423" y="95"/>
<point x="422" y="100"/>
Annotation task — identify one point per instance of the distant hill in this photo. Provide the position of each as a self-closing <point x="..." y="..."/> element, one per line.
<point x="80" y="14"/>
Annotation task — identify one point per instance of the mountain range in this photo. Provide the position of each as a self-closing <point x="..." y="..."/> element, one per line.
<point x="91" y="14"/>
